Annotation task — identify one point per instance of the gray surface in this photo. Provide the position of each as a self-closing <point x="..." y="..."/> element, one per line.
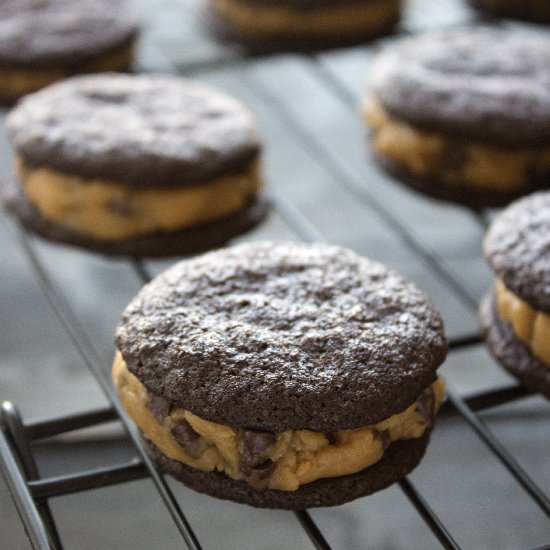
<point x="316" y="160"/>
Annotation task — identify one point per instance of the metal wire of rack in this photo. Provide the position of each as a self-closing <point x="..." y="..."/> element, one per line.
<point x="31" y="493"/>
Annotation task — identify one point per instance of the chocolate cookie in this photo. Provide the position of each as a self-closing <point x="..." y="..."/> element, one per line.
<point x="399" y="460"/>
<point x="42" y="41"/>
<point x="515" y="356"/>
<point x="300" y="25"/>
<point x="282" y="374"/>
<point x="516" y="316"/>
<point x="144" y="165"/>
<point x="465" y="114"/>
<point x="529" y="10"/>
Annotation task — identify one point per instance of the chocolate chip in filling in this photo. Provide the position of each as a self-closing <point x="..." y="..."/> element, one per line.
<point x="256" y="447"/>
<point x="456" y="157"/>
<point x="188" y="438"/>
<point x="425" y="406"/>
<point x="384" y="437"/>
<point x="159" y="407"/>
<point x="256" y="475"/>
<point x="120" y="207"/>
<point x="255" y="464"/>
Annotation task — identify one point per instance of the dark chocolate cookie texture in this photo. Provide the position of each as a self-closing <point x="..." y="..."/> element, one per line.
<point x="283" y="336"/>
<point x="510" y="352"/>
<point x="518" y="248"/>
<point x="62" y="33"/>
<point x="484" y="84"/>
<point x="146" y="130"/>
<point x="474" y="198"/>
<point x="529" y="10"/>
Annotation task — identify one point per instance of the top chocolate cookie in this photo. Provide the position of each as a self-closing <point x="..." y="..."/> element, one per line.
<point x="484" y="84"/>
<point x="43" y="33"/>
<point x="278" y="336"/>
<point x="518" y="248"/>
<point x="140" y="130"/>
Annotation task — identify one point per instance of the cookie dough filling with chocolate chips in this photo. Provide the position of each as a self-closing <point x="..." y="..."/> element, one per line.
<point x="268" y="460"/>
<point x="282" y="375"/>
<point x="143" y="165"/>
<point x="42" y="41"/>
<point x="516" y="313"/>
<point x="464" y="115"/>
<point x="454" y="162"/>
<point x="530" y="326"/>
<point x="111" y="211"/>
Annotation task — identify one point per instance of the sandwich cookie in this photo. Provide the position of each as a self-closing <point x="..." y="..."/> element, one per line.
<point x="271" y="25"/>
<point x="282" y="375"/>
<point x="537" y="11"/>
<point x="464" y="115"/>
<point x="516" y="314"/>
<point x="135" y="165"/>
<point x="42" y="41"/>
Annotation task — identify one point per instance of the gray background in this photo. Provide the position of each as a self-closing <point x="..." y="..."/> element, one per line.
<point x="316" y="162"/>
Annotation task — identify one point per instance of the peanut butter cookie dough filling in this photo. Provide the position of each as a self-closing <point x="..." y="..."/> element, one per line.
<point x="293" y="19"/>
<point x="109" y="210"/>
<point x="265" y="460"/>
<point x="19" y="81"/>
<point x="438" y="157"/>
<point x="530" y="326"/>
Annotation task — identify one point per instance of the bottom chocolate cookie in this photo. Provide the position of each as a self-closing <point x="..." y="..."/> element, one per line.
<point x="469" y="196"/>
<point x="180" y="243"/>
<point x="256" y="44"/>
<point x="537" y="11"/>
<point x="512" y="354"/>
<point x="399" y="459"/>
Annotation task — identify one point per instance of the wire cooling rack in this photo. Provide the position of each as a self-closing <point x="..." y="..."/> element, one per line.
<point x="31" y="492"/>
